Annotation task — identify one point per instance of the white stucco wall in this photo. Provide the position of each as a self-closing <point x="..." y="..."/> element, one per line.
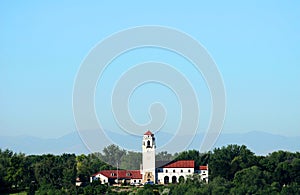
<point x="100" y="177"/>
<point x="135" y="181"/>
<point x="170" y="172"/>
<point x="148" y="159"/>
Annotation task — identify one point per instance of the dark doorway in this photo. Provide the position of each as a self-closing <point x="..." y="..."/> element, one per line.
<point x="174" y="179"/>
<point x="166" y="180"/>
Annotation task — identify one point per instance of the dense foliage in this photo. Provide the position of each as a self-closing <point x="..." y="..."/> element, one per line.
<point x="232" y="170"/>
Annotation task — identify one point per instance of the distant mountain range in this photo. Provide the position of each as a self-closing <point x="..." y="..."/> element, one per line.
<point x="260" y="143"/>
<point x="70" y="143"/>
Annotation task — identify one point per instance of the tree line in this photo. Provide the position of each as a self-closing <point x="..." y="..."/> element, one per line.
<point x="236" y="170"/>
<point x="233" y="169"/>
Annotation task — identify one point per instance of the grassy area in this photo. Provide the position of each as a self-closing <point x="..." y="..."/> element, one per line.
<point x="19" y="193"/>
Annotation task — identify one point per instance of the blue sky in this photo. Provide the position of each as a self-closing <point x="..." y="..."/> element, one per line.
<point x="256" y="46"/>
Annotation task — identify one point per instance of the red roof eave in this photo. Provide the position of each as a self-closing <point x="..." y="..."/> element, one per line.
<point x="181" y="164"/>
<point x="203" y="168"/>
<point x="124" y="174"/>
<point x="148" y="133"/>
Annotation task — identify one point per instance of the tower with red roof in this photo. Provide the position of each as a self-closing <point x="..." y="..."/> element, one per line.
<point x="148" y="164"/>
<point x="160" y="172"/>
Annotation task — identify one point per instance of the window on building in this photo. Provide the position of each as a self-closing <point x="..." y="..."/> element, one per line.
<point x="189" y="170"/>
<point x="174" y="179"/>
<point x="166" y="171"/>
<point x="181" y="171"/>
<point x="173" y="170"/>
<point x="166" y="180"/>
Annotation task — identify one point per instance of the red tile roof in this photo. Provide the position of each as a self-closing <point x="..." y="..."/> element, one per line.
<point x="181" y="164"/>
<point x="121" y="174"/>
<point x="203" y="168"/>
<point x="148" y="133"/>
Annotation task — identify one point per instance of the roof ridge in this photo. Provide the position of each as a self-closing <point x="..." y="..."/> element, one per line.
<point x="148" y="133"/>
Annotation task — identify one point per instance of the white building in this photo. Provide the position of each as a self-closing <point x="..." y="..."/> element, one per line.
<point x="203" y="171"/>
<point x="173" y="172"/>
<point x="148" y="162"/>
<point x="118" y="176"/>
<point x="157" y="172"/>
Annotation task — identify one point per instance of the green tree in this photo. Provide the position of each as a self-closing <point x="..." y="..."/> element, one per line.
<point x="218" y="185"/>
<point x="83" y="170"/>
<point x="190" y="155"/>
<point x="69" y="171"/>
<point x="248" y="181"/>
<point x="164" y="156"/>
<point x="271" y="161"/>
<point x="293" y="188"/>
<point x="192" y="185"/>
<point x="226" y="161"/>
<point x="56" y="171"/>
<point x="5" y="157"/>
<point x="90" y="164"/>
<point x="131" y="160"/>
<point x="113" y="155"/>
<point x="15" y="171"/>
<point x="295" y="170"/>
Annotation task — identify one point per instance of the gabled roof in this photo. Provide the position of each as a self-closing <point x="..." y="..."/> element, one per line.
<point x="148" y="133"/>
<point x="203" y="168"/>
<point x="121" y="174"/>
<point x="180" y="164"/>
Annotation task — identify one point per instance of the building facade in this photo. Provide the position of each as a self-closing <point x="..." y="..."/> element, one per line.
<point x="151" y="170"/>
<point x="118" y="176"/>
<point x="148" y="157"/>
<point x="174" y="172"/>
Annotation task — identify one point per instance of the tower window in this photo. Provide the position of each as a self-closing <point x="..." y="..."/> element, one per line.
<point x="148" y="144"/>
<point x="181" y="171"/>
<point x="166" y="171"/>
<point x="173" y="170"/>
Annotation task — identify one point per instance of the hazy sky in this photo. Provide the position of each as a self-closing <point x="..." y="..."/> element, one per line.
<point x="256" y="46"/>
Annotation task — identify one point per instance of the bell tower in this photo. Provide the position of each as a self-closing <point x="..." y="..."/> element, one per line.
<point x="148" y="149"/>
